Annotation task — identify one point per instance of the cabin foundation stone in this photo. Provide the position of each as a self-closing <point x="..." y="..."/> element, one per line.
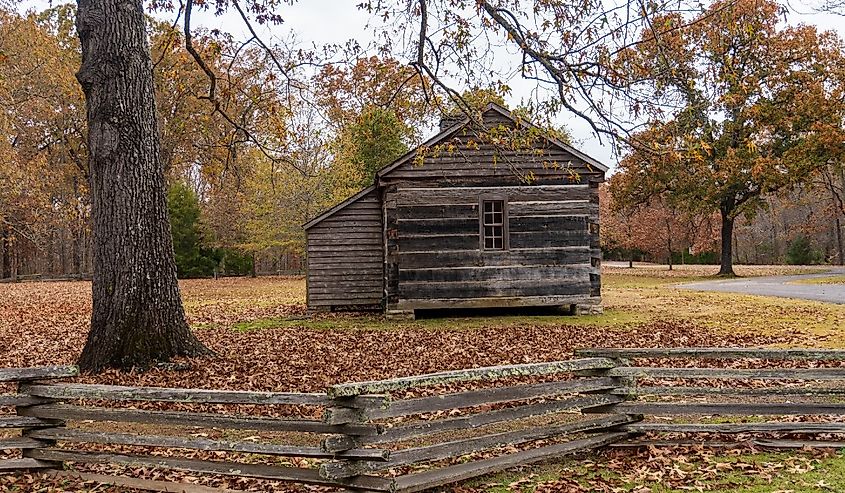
<point x="587" y="309"/>
<point x="399" y="315"/>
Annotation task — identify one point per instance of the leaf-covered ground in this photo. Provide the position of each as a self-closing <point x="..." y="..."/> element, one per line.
<point x="263" y="341"/>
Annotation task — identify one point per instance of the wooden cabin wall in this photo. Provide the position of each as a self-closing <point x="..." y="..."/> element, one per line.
<point x="345" y="257"/>
<point x="435" y="260"/>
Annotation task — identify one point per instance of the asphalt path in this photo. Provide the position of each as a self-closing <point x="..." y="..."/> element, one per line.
<point x="779" y="286"/>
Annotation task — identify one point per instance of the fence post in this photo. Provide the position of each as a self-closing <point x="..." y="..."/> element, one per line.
<point x="22" y="400"/>
<point x="345" y="410"/>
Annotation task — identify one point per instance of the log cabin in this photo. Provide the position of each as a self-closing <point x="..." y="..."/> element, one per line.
<point x="490" y="212"/>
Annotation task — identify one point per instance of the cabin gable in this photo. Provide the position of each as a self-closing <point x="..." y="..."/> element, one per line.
<point x="461" y="155"/>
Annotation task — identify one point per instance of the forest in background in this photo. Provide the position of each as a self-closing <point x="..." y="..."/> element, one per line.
<point x="244" y="178"/>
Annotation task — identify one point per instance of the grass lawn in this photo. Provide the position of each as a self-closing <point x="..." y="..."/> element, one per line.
<point x="264" y="341"/>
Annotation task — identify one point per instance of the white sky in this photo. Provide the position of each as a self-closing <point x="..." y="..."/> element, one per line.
<point x="336" y="21"/>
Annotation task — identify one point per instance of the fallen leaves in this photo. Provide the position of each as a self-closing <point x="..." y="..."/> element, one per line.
<point x="46" y="323"/>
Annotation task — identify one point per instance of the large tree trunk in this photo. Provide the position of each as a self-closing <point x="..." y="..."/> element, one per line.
<point x="137" y="317"/>
<point x="727" y="268"/>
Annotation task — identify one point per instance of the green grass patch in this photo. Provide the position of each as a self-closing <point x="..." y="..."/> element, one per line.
<point x="610" y="319"/>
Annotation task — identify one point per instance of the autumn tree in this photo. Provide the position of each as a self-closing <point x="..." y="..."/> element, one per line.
<point x="373" y="140"/>
<point x="759" y="109"/>
<point x="137" y="317"/>
<point x="43" y="165"/>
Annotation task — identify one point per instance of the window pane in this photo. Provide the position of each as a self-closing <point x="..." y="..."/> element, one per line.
<point x="493" y="218"/>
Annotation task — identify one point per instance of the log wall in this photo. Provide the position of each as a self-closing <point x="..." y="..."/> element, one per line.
<point x="435" y="260"/>
<point x="345" y="259"/>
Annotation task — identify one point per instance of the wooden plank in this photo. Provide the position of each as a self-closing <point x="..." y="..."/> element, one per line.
<point x="578" y="284"/>
<point x="799" y="444"/>
<point x="7" y="422"/>
<point x="341" y="241"/>
<point x="343" y="282"/>
<point x="541" y="208"/>
<point x="709" y="444"/>
<point x="351" y="250"/>
<point x="70" y="435"/>
<point x="578" y="404"/>
<point x="488" y="302"/>
<point x="68" y="412"/>
<point x="460" y="195"/>
<point x="342" y="271"/>
<point x="510" y="273"/>
<point x="437" y="226"/>
<point x="425" y="211"/>
<point x="199" y="396"/>
<point x="443" y="402"/>
<point x="38" y="373"/>
<point x="724" y="409"/>
<point x="544" y="239"/>
<point x="569" y="224"/>
<point x="732" y="428"/>
<point x="472" y="374"/>
<point x="136" y="483"/>
<point x="15" y="443"/>
<point x="444" y="243"/>
<point x="723" y="373"/>
<point x="736" y="391"/>
<point x="779" y="444"/>
<point x="371" y="303"/>
<point x="24" y="464"/>
<point x="489" y="396"/>
<point x="480" y="258"/>
<point x="20" y="400"/>
<point x="716" y="353"/>
<point x="278" y="473"/>
<point x="460" y="472"/>
<point x="457" y="448"/>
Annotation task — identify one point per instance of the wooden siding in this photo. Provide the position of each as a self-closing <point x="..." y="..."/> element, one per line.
<point x="345" y="259"/>
<point x="435" y="258"/>
<point x="469" y="161"/>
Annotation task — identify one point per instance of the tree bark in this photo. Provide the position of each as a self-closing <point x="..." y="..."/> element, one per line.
<point x="727" y="267"/>
<point x="5" y="262"/>
<point x="137" y="316"/>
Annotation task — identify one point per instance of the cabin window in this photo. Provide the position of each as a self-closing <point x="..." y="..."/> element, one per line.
<point x="494" y="225"/>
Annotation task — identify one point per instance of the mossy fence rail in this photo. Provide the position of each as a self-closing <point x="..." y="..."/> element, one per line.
<point x="420" y="432"/>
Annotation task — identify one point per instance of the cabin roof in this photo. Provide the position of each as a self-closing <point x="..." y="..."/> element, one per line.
<point x="448" y="132"/>
<point x="338" y="207"/>
<point x="441" y="136"/>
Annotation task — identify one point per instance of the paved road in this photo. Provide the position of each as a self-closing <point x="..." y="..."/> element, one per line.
<point x="778" y="286"/>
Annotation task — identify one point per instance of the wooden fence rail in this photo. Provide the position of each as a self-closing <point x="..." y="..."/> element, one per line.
<point x="732" y="392"/>
<point x="358" y="442"/>
<point x="366" y="439"/>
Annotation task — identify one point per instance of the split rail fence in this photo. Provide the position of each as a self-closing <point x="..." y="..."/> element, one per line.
<point x="419" y="432"/>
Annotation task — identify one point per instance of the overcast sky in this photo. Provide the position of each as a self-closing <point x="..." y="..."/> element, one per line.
<point x="336" y="21"/>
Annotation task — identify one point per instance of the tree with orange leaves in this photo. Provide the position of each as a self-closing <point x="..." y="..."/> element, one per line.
<point x="741" y="109"/>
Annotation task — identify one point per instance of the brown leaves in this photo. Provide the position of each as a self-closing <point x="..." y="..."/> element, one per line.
<point x="46" y="323"/>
